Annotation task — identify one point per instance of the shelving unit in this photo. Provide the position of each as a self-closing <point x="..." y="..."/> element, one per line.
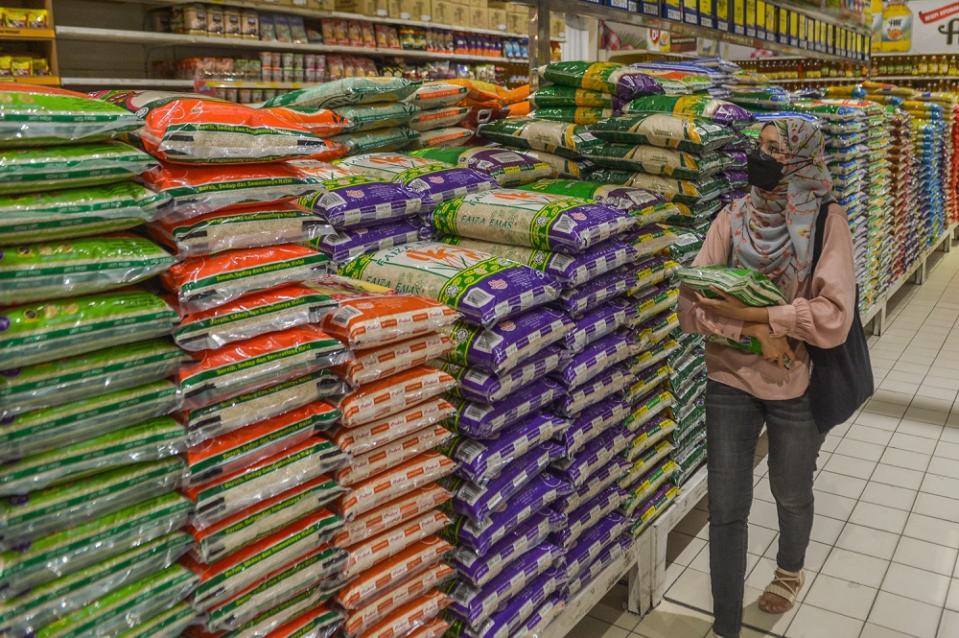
<point x="43" y="40"/>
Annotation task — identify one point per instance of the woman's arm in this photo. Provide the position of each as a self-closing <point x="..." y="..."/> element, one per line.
<point x="715" y="251"/>
<point x="823" y="319"/>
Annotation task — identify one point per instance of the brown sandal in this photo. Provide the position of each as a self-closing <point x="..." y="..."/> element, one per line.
<point x="785" y="586"/>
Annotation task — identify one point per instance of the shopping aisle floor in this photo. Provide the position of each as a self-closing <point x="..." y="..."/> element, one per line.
<point x="883" y="560"/>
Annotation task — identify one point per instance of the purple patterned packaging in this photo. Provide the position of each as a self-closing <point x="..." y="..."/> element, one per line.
<point x="616" y="550"/>
<point x="508" y="343"/>
<point x="610" y="382"/>
<point x="576" y="301"/>
<point x="476" y="605"/>
<point x="600" y="480"/>
<point x="436" y="183"/>
<point x="479" y="569"/>
<point x="596" y="261"/>
<point x="652" y="301"/>
<point x="349" y="202"/>
<point x="592" y="457"/>
<point x="591" y="544"/>
<point x="730" y="196"/>
<point x="595" y="359"/>
<point x="485" y="421"/>
<point x="737" y="178"/>
<point x="590" y="423"/>
<point x="583" y="518"/>
<point x="347" y="244"/>
<point x="597" y="323"/>
<point x="483" y="461"/>
<point x="480" y="501"/>
<point x="483" y="534"/>
<point x="540" y="619"/>
<point x="509" y="618"/>
<point x="476" y="384"/>
<point x="621" y="81"/>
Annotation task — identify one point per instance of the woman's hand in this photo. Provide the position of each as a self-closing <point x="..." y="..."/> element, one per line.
<point x="731" y="308"/>
<point x="775" y="349"/>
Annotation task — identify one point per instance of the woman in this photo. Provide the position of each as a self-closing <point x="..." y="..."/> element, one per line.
<point x="770" y="230"/>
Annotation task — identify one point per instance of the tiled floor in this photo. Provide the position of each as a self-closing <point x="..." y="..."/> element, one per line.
<point x="883" y="560"/>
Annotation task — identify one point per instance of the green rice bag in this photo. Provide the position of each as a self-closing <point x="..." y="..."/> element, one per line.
<point x="69" y="504"/>
<point x="675" y="190"/>
<point x="564" y="166"/>
<point x="70" y="267"/>
<point x="748" y="286"/>
<point x="656" y="161"/>
<point x="694" y="105"/>
<point x="572" y="114"/>
<point x="376" y="116"/>
<point x="693" y="134"/>
<point x="170" y="623"/>
<point x="147" y="441"/>
<point x="386" y="139"/>
<point x="348" y="91"/>
<point x="233" y="617"/>
<point x="568" y="96"/>
<point x="29" y="118"/>
<point x="47" y="385"/>
<point x="23" y="615"/>
<point x="609" y="77"/>
<point x="29" y="170"/>
<point x="41" y="332"/>
<point x="76" y="212"/>
<point x="125" y="607"/>
<point x="562" y="138"/>
<point x="81" y="546"/>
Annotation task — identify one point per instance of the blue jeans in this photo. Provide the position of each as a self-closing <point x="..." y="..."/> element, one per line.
<point x="734" y="420"/>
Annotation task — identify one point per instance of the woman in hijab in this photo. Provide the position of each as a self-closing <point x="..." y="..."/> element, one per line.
<point x="771" y="230"/>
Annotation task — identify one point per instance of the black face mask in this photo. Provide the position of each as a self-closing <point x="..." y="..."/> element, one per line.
<point x="764" y="171"/>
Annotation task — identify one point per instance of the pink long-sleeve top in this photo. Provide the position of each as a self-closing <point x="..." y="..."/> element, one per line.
<point x="820" y="314"/>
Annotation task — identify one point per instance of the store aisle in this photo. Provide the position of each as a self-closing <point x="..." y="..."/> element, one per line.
<point x="883" y="561"/>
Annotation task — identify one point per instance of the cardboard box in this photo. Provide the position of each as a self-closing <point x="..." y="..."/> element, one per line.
<point x="422" y="10"/>
<point x="478" y="18"/>
<point x="557" y="24"/>
<point x="441" y="12"/>
<point x="459" y="15"/>
<point x="323" y="5"/>
<point x="497" y="19"/>
<point x="516" y="23"/>
<point x="362" y="7"/>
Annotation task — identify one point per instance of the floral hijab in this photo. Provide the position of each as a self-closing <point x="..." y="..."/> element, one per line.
<point x="772" y="231"/>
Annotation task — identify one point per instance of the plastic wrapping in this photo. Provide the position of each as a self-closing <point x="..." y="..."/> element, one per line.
<point x="595" y="359"/>
<point x="410" y="616"/>
<point x="597" y="323"/>
<point x="599" y="480"/>
<point x="484" y="461"/>
<point x="351" y="243"/>
<point x="256" y="611"/>
<point x="613" y="552"/>
<point x="372" y="321"/>
<point x="438" y="118"/>
<point x="479" y="569"/>
<point x="606" y="384"/>
<point x="357" y="201"/>
<point x="590" y="423"/>
<point x="587" y="515"/>
<point x="509" y="168"/>
<point x="485" y="421"/>
<point x="393" y="394"/>
<point x="320" y="121"/>
<point x="364" y="438"/>
<point x="372" y="551"/>
<point x="319" y="622"/>
<point x="348" y="91"/>
<point x="434" y="95"/>
<point x="577" y="300"/>
<point x="396" y="596"/>
<point x="369" y="365"/>
<point x="373" y="492"/>
<point x="170" y="623"/>
<point x="28" y="170"/>
<point x="391" y="454"/>
<point x="594" y="456"/>
<point x="476" y="384"/>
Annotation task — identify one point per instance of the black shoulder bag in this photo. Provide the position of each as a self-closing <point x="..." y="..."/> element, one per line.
<point x="842" y="376"/>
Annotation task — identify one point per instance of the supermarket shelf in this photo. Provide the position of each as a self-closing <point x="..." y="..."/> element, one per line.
<point x="819" y="80"/>
<point x="26" y="34"/>
<point x="94" y="34"/>
<point x="909" y="78"/>
<point x="691" y="493"/>
<point x="44" y="80"/>
<point x="871" y="312"/>
<point x="131" y="83"/>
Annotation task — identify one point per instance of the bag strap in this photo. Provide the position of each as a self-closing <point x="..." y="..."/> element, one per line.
<point x="820" y="230"/>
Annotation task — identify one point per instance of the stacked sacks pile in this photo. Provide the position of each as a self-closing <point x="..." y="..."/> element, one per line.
<point x="944" y="104"/>
<point x="929" y="131"/>
<point x="488" y="102"/>
<point x="91" y="520"/>
<point x="509" y="570"/>
<point x="440" y="116"/>
<point x="391" y="427"/>
<point x="903" y="191"/>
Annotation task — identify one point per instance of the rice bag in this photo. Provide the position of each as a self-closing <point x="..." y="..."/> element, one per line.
<point x="26" y="170"/>
<point x="246" y="366"/>
<point x="696" y="135"/>
<point x="606" y="384"/>
<point x="479" y="385"/>
<point x="621" y="198"/>
<point x="484" y="288"/>
<point x="318" y="622"/>
<point x="435" y="95"/>
<point x="169" y="623"/>
<point x="434" y="182"/>
<point x="591" y="544"/>
<point x="363" y="466"/>
<point x="348" y="91"/>
<point x="195" y="190"/>
<point x="379" y="140"/>
<point x="322" y="122"/>
<point x="586" y="516"/>
<point x="601" y="479"/>
<point x="656" y="161"/>
<point x="444" y="137"/>
<point x="605" y="319"/>
<point x="508" y="168"/>
<point x="347" y="202"/>
<point x="367" y="553"/>
<point x="262" y="519"/>
<point x="76" y="212"/>
<point x="369" y="365"/>
<point x="651" y="301"/>
<point x="410" y="616"/>
<point x="573" y="114"/>
<point x="590" y="423"/>
<point x="557" y="95"/>
<point x="376" y="116"/>
<point x="703" y="106"/>
<point x="480" y="569"/>
<point x="612" y="553"/>
<point x="373" y="492"/>
<point x="361" y="439"/>
<point x="401" y="593"/>
<point x="517" y="611"/>
<point x="229" y="493"/>
<point x="409" y="506"/>
<point x="64" y="268"/>
<point x="351" y="243"/>
<point x="563" y="166"/>
<point x="575" y="301"/>
<point x="372" y="321"/>
<point x="621" y="81"/>
<point x="594" y="455"/>
<point x="648" y="407"/>
<point x="70" y="551"/>
<point x="646" y="381"/>
<point x="649" y="272"/>
<point x="149" y="440"/>
<point x="45" y="116"/>
<point x="434" y="628"/>
<point x="507" y="344"/>
<point x="438" y="118"/>
<point x="655" y="506"/>
<point x="485" y="421"/>
<point x="595" y="359"/>
<point x="640" y="492"/>
<point x="393" y="394"/>
<point x="749" y="286"/>
<point x="675" y="190"/>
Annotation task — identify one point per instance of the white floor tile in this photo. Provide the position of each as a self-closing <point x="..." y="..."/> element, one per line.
<point x="937" y="507"/>
<point x="933" y="530"/>
<point x="905" y="615"/>
<point x="905" y="458"/>
<point x="926" y="555"/>
<point x="692" y="589"/>
<point x="918" y="428"/>
<point x="948" y="450"/>
<point x="897" y="476"/>
<point x="879" y="517"/>
<point x="916" y="583"/>
<point x="881" y="415"/>
<point x="825" y="529"/>
<point x="590" y="627"/>
<point x="691" y="547"/>
<point x="912" y="443"/>
<point x="940" y="485"/>
<point x="858" y="568"/>
<point x="868" y="434"/>
<point x="851" y="466"/>
<point x="754" y="617"/>
<point x="841" y="596"/>
<point x="760" y="539"/>
<point x="860" y="449"/>
<point x="838" y="484"/>
<point x="943" y="467"/>
<point x="670" y="620"/>
<point x="812" y="622"/>
<point x="949" y="627"/>
<point x="952" y="601"/>
<point x="867" y="540"/>
<point x="870" y="630"/>
<point x="833" y="506"/>
<point x="889" y="495"/>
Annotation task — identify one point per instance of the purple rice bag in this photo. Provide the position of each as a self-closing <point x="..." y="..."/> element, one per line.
<point x="613" y="552"/>
<point x="649" y="358"/>
<point x="437" y="183"/>
<point x="479" y="569"/>
<point x="483" y="461"/>
<point x="591" y="544"/>
<point x="597" y="323"/>
<point x="479" y="385"/>
<point x="610" y="382"/>
<point x="590" y="423"/>
<point x="540" y="619"/>
<point x="481" y="535"/>
<point x="480" y="501"/>
<point x="646" y="382"/>
<point x="648" y="407"/>
<point x="600" y="480"/>
<point x="476" y="605"/>
<point x="511" y="616"/>
<point x="654" y="330"/>
<point x="354" y="201"/>
<point x="592" y="457"/>
<point x="595" y="359"/>
<point x="736" y="177"/>
<point x="576" y="301"/>
<point x="485" y="421"/>
<point x="645" y="463"/>
<point x="651" y="301"/>
<point x="347" y="244"/>
<point x="507" y="344"/>
<point x="509" y="168"/>
<point x="585" y="517"/>
<point x="729" y="197"/>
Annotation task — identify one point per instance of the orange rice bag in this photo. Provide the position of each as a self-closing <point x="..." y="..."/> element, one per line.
<point x="369" y="365"/>
<point x="403" y="592"/>
<point x="393" y="394"/>
<point x="371" y="321"/>
<point x="385" y="574"/>
<point x="391" y="542"/>
<point x="410" y="616"/>
<point x="433" y="629"/>
<point x="320" y="622"/>
<point x="392" y="454"/>
<point x="411" y="505"/>
<point x="362" y="439"/>
<point x="373" y="492"/>
<point x="319" y="121"/>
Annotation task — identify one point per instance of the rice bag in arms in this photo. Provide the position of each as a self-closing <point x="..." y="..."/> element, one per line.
<point x="369" y="365"/>
<point x="691" y="134"/>
<point x="393" y="394"/>
<point x="27" y="170"/>
<point x="76" y="212"/>
<point x="373" y="492"/>
<point x="484" y="288"/>
<point x="476" y="384"/>
<point x="348" y="202"/>
<point x="363" y="466"/>
<point x="351" y="243"/>
<point x="348" y="91"/>
<point x="621" y="81"/>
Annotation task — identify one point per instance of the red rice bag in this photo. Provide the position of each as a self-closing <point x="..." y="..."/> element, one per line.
<point x="362" y="439"/>
<point x="368" y="321"/>
<point x="316" y="623"/>
<point x="393" y="394"/>
<point x="201" y="283"/>
<point x="256" y="363"/>
<point x="320" y="121"/>
<point x="391" y="514"/>
<point x="375" y="491"/>
<point x="369" y="365"/>
<point x="403" y="592"/>
<point x="392" y="454"/>
<point x="410" y="616"/>
<point x="234" y="451"/>
<point x="433" y="629"/>
<point x="391" y="542"/>
<point x="385" y="574"/>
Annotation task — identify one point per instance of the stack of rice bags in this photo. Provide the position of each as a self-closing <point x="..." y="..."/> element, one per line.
<point x="929" y="130"/>
<point x="941" y="107"/>
<point x="391" y="426"/>
<point x="903" y="190"/>
<point x="440" y="114"/>
<point x="90" y="520"/>
<point x="509" y="570"/>
<point x="256" y="467"/>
